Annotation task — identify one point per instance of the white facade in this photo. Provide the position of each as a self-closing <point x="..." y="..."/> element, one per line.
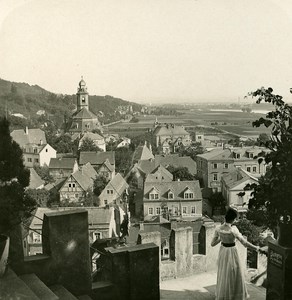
<point x="46" y="154"/>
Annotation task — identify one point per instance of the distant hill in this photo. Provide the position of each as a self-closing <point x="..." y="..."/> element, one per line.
<point x="22" y="98"/>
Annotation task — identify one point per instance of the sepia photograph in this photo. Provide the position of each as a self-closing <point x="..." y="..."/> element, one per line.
<point x="145" y="150"/>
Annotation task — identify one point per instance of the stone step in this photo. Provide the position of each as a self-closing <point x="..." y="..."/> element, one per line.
<point x="38" y="287"/>
<point x="12" y="287"/>
<point x="104" y="290"/>
<point x="62" y="293"/>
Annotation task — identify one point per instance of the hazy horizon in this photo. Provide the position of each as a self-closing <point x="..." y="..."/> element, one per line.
<point x="162" y="51"/>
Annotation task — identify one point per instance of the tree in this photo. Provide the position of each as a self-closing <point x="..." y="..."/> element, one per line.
<point x="99" y="184"/>
<point x="14" y="178"/>
<point x="263" y="139"/>
<point x="88" y="145"/>
<point x="123" y="157"/>
<point x="181" y="173"/>
<point x="44" y="173"/>
<point x="273" y="194"/>
<point x="40" y="196"/>
<point x="193" y="150"/>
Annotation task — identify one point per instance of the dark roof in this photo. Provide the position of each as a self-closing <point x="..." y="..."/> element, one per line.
<point x="62" y="163"/>
<point x="177" y="187"/>
<point x="118" y="183"/>
<point x="97" y="158"/>
<point x="159" y="173"/>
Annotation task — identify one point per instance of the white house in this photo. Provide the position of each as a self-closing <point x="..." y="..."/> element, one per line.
<point x="233" y="188"/>
<point x="97" y="139"/>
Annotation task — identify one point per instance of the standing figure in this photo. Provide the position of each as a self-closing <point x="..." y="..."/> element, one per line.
<point x="230" y="276"/>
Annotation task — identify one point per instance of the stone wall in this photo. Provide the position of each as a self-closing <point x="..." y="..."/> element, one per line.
<point x="182" y="260"/>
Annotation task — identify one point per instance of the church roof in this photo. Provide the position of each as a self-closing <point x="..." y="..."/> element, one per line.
<point x="84" y="113"/>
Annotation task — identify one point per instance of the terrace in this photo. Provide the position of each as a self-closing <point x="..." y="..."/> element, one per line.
<point x="64" y="270"/>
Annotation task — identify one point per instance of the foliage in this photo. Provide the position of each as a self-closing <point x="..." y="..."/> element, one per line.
<point x="44" y="173"/>
<point x="181" y="173"/>
<point x="193" y="150"/>
<point x="273" y="193"/>
<point x="248" y="229"/>
<point x="99" y="184"/>
<point x="123" y="158"/>
<point x="14" y="178"/>
<point x="62" y="143"/>
<point x="134" y="120"/>
<point x="88" y="145"/>
<point x="217" y="200"/>
<point x="40" y="196"/>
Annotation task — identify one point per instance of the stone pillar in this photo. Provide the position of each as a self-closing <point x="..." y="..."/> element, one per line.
<point x="181" y="250"/>
<point x="135" y="271"/>
<point x="211" y="252"/>
<point x="66" y="241"/>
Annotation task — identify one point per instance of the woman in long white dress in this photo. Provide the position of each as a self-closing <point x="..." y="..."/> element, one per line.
<point x="230" y="276"/>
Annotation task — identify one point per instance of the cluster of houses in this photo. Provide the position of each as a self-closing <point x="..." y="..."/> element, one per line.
<point x="149" y="192"/>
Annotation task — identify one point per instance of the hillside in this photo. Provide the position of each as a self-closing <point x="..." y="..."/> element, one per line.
<point x="25" y="99"/>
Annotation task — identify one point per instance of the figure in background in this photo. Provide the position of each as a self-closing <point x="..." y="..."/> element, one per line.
<point x="230" y="276"/>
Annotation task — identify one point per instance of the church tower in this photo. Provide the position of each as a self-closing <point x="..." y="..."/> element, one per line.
<point x="82" y="95"/>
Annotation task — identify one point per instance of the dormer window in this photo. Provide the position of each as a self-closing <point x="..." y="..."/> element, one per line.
<point x="188" y="194"/>
<point x="153" y="194"/>
<point x="170" y="195"/>
<point x="237" y="155"/>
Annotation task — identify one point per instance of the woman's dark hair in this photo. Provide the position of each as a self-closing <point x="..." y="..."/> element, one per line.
<point x="231" y="215"/>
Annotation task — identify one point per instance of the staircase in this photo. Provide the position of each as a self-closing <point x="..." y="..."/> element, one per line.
<point x="29" y="286"/>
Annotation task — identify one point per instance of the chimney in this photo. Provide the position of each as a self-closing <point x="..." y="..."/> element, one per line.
<point x="26" y="130"/>
<point x="41" y="142"/>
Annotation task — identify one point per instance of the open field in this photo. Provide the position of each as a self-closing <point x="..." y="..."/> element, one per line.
<point x="236" y="122"/>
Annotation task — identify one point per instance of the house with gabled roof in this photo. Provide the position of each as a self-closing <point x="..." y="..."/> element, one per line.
<point x="76" y="186"/>
<point x="97" y="139"/>
<point x="103" y="162"/>
<point x="115" y="192"/>
<point x="62" y="167"/>
<point x="36" y="150"/>
<point x="142" y="152"/>
<point x="101" y="224"/>
<point x="212" y="165"/>
<point x="178" y="199"/>
<point x="234" y="188"/>
<point x="173" y="134"/>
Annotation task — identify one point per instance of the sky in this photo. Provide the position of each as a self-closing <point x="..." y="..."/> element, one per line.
<point x="153" y="51"/>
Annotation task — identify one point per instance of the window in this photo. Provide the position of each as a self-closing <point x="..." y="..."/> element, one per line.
<point x="115" y="202"/>
<point x="36" y="160"/>
<point x="170" y="195"/>
<point x="83" y="100"/>
<point x="193" y="210"/>
<point x="175" y="210"/>
<point x="29" y="159"/>
<point x="250" y="155"/>
<point x="150" y="211"/>
<point x="215" y="177"/>
<point x="37" y="238"/>
<point x="215" y="166"/>
<point x="189" y="195"/>
<point x="35" y="150"/>
<point x="98" y="235"/>
<point x="248" y="169"/>
<point x="158" y="210"/>
<point x="110" y="192"/>
<point x="226" y="166"/>
<point x="73" y="184"/>
<point x="105" y="202"/>
<point x="254" y="169"/>
<point x="69" y="184"/>
<point x="47" y="150"/>
<point x="156" y="196"/>
<point x="184" y="210"/>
